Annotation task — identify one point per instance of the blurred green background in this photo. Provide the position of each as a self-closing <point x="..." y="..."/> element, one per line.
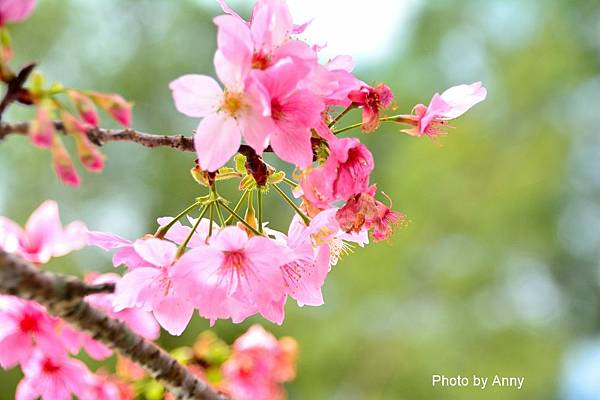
<point x="499" y="271"/>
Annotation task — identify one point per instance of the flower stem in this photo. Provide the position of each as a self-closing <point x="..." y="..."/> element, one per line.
<point x="183" y="245"/>
<point x="402" y="119"/>
<point x="341" y="115"/>
<point x="292" y="204"/>
<point x="162" y="231"/>
<point x="290" y="182"/>
<point x="211" y="216"/>
<point x="237" y="207"/>
<point x="259" y="195"/>
<point x="239" y="218"/>
<point x="220" y="214"/>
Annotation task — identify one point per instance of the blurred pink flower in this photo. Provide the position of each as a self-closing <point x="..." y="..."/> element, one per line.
<point x="258" y="365"/>
<point x="43" y="236"/>
<point x="15" y="10"/>
<point x="52" y="378"/>
<point x="25" y="325"/>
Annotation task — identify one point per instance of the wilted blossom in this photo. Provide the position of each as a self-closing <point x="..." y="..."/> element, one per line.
<point x="258" y="365"/>
<point x="43" y="237"/>
<point x="15" y="10"/>
<point x="363" y="211"/>
<point x="345" y="173"/>
<point x="372" y="100"/>
<point x="454" y="102"/>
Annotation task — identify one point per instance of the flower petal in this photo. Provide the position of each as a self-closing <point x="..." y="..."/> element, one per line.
<point x="196" y="95"/>
<point x="217" y="139"/>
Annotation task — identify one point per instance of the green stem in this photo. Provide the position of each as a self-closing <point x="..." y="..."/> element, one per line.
<point x="183" y="245"/>
<point x="394" y="118"/>
<point x="292" y="204"/>
<point x="162" y="231"/>
<point x="341" y="115"/>
<point x="259" y="196"/>
<point x="211" y="216"/>
<point x="290" y="182"/>
<point x="237" y="206"/>
<point x="239" y="218"/>
<point x="220" y="214"/>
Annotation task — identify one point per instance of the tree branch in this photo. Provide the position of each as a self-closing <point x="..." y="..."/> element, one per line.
<point x="99" y="136"/>
<point x="63" y="296"/>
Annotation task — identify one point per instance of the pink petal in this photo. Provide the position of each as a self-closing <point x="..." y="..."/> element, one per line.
<point x="234" y="40"/>
<point x="129" y="257"/>
<point x="196" y="95"/>
<point x="173" y="314"/>
<point x="217" y="139"/>
<point x="462" y="97"/>
<point x="15" y="10"/>
<point x="44" y="224"/>
<point x="231" y="239"/>
<point x="293" y="146"/>
<point x="155" y="251"/>
<point x="14" y="349"/>
<point x="106" y="240"/>
<point x="136" y="289"/>
<point x="11" y="235"/>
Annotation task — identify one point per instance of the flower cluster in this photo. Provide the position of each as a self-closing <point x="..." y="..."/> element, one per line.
<point x="42" y="344"/>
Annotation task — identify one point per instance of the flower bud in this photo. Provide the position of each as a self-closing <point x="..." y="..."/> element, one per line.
<point x="118" y="108"/>
<point x="85" y="106"/>
<point x="88" y="154"/>
<point x="41" y="129"/>
<point x="63" y="165"/>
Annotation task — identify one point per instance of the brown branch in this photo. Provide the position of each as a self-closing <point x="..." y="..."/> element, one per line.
<point x="63" y="296"/>
<point x="100" y="136"/>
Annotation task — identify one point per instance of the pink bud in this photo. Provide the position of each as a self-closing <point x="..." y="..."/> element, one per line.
<point x="41" y="130"/>
<point x="118" y="108"/>
<point x="85" y="107"/>
<point x="63" y="165"/>
<point x="89" y="155"/>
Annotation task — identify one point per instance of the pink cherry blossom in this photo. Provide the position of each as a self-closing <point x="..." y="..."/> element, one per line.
<point x="227" y="115"/>
<point x="258" y="365"/>
<point x="25" y="326"/>
<point x="151" y="288"/>
<point x="15" y="10"/>
<point x="345" y="173"/>
<point x="305" y="274"/>
<point x="52" y="378"/>
<point x="235" y="276"/>
<point x="100" y="387"/>
<point x="430" y="120"/>
<point x="371" y="100"/>
<point x="294" y="111"/>
<point x="43" y="236"/>
<point x="126" y="255"/>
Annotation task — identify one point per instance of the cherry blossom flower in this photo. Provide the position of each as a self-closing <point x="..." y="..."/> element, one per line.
<point x="371" y="100"/>
<point x="258" y="365"/>
<point x="103" y="387"/>
<point x="235" y="276"/>
<point x="294" y="111"/>
<point x="52" y="378"/>
<point x="25" y="326"/>
<point x="116" y="106"/>
<point x="305" y="274"/>
<point x="43" y="236"/>
<point x="15" y="10"/>
<point x="345" y="173"/>
<point x="151" y="287"/>
<point x="454" y="102"/>
<point x="227" y="115"/>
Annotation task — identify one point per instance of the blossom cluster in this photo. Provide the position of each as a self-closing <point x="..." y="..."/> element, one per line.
<point x="42" y="344"/>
